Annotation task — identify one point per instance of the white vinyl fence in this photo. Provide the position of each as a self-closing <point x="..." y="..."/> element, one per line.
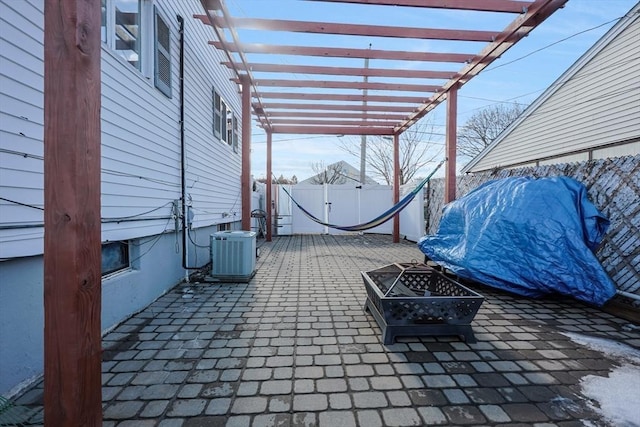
<point x="345" y="205"/>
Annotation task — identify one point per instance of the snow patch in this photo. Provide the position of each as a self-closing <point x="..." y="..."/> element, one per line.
<point x="616" y="395"/>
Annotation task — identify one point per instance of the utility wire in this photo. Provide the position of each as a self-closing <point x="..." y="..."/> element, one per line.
<point x="552" y="44"/>
<point x="112" y="219"/>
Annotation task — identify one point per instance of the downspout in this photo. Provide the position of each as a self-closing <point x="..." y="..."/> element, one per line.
<point x="183" y="158"/>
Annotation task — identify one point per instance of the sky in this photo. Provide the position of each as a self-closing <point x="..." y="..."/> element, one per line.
<point x="520" y="75"/>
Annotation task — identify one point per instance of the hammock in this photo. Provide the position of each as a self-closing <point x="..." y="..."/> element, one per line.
<point x="381" y="219"/>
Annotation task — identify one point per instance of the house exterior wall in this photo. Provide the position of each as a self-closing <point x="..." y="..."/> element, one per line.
<point x="141" y="171"/>
<point x="590" y="112"/>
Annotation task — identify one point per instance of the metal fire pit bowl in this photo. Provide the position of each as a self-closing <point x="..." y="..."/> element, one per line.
<point x="417" y="300"/>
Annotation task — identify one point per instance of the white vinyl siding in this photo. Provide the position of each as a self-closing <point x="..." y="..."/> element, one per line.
<point x="140" y="133"/>
<point x="596" y="106"/>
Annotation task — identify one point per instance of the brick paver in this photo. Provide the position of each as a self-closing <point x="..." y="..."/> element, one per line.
<point x="294" y="347"/>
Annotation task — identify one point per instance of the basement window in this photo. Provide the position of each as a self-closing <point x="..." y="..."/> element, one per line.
<point x="115" y="257"/>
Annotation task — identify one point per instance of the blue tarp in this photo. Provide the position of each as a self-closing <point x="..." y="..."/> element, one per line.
<point x="525" y="235"/>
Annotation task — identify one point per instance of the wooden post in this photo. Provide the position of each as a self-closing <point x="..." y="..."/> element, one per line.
<point x="72" y="257"/>
<point x="396" y="186"/>
<point x="451" y="137"/>
<point x="245" y="177"/>
<point x="269" y="185"/>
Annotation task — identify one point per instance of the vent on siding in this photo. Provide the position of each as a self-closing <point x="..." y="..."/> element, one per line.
<point x="163" y="56"/>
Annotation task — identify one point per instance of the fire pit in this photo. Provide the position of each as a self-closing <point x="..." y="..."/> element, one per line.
<point x="417" y="300"/>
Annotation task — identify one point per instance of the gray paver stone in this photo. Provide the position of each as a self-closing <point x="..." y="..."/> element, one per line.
<point x="218" y="406"/>
<point x="304" y="419"/>
<point x="337" y="418"/>
<point x="399" y="398"/>
<point x="187" y="407"/>
<point x="432" y="415"/>
<point x="280" y="404"/>
<point x="464" y="415"/>
<point x="385" y="383"/>
<point x="238" y="421"/>
<point x="276" y="387"/>
<point x="369" y="419"/>
<point x="438" y="381"/>
<point x="159" y="392"/>
<point x="456" y="396"/>
<point x="331" y="385"/>
<point x="401" y="417"/>
<point x="370" y="399"/>
<point x="122" y="410"/>
<point x="154" y="409"/>
<point x="310" y="402"/>
<point x="189" y="391"/>
<point x="272" y="420"/>
<point x="249" y="405"/>
<point x="494" y="413"/>
<point x="304" y="386"/>
<point x="248" y="388"/>
<point x="340" y="401"/>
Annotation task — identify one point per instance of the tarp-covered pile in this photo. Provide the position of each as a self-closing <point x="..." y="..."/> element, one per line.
<point x="528" y="236"/>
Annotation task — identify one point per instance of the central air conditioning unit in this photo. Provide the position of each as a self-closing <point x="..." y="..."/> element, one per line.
<point x="233" y="255"/>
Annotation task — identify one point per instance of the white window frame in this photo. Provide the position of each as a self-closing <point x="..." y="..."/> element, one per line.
<point x="222" y="116"/>
<point x="146" y="35"/>
<point x="235" y="134"/>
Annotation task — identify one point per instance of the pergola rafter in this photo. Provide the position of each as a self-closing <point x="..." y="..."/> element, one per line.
<point x="347" y="71"/>
<point x="284" y="96"/>
<point x="296" y="107"/>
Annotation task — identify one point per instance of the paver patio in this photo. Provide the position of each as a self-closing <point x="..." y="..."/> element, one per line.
<point x="294" y="348"/>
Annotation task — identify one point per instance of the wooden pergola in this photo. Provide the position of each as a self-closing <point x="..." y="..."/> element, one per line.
<point x="282" y="103"/>
<point x="72" y="280"/>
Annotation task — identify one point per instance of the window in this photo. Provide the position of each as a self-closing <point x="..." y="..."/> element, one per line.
<point x="137" y="32"/>
<point x="162" y="65"/>
<point x="216" y="113"/>
<point x="235" y="134"/>
<point x="121" y="29"/>
<point x="115" y="257"/>
<point x="230" y="127"/>
<point x="222" y="119"/>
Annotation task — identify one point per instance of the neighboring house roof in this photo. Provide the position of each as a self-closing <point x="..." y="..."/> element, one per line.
<point x="594" y="104"/>
<point x="349" y="175"/>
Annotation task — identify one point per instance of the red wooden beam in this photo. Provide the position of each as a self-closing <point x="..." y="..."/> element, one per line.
<point x="331" y="130"/>
<point x="326" y="84"/>
<point x="343" y="52"/>
<point x="348" y="98"/>
<point x="72" y="254"/>
<point x="396" y="186"/>
<point x="355" y="29"/>
<point x="327" y="115"/>
<point x="347" y="71"/>
<point x="368" y="123"/>
<point x="335" y="107"/>
<point x="245" y="179"/>
<point x="483" y="5"/>
<point x="450" y="148"/>
<point x="269" y="203"/>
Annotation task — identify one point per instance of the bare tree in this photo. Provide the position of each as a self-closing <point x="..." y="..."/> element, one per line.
<point x="484" y="126"/>
<point x="280" y="180"/>
<point x="416" y="151"/>
<point x="330" y="174"/>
